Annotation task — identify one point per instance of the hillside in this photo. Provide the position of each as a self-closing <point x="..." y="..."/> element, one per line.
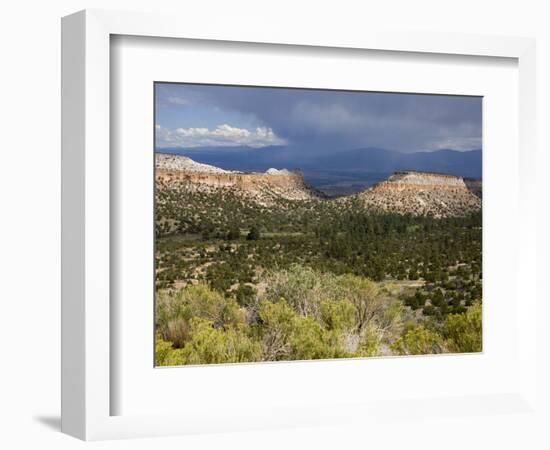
<point x="264" y="188"/>
<point x="262" y="267"/>
<point x="422" y="193"/>
<point x="404" y="192"/>
<point x="202" y="199"/>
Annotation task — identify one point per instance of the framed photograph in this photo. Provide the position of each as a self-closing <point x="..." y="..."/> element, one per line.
<point x="271" y="229"/>
<point x="360" y="252"/>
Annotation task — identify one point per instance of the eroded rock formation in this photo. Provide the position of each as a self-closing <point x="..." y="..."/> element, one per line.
<point x="422" y="193"/>
<point x="404" y="192"/>
<point x="264" y="187"/>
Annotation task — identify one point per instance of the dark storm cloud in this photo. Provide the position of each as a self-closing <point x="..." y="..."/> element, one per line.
<point x="333" y="120"/>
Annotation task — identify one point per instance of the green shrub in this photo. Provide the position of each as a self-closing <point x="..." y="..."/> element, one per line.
<point x="253" y="234"/>
<point x="338" y="315"/>
<point x="177" y="331"/>
<point x="245" y="294"/>
<point x="175" y="309"/>
<point x="309" y="340"/>
<point x="305" y="289"/>
<point x="364" y="294"/>
<point x="287" y="335"/>
<point x="277" y="323"/>
<point x="392" y="317"/>
<point x="464" y="331"/>
<point x="233" y="234"/>
<point x="418" y="340"/>
<point x="369" y="342"/>
<point x="166" y="354"/>
<point x="210" y="345"/>
<point x="300" y="286"/>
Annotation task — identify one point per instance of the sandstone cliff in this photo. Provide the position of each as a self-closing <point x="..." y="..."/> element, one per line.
<point x="405" y="192"/>
<point x="422" y="193"/>
<point x="178" y="163"/>
<point x="262" y="187"/>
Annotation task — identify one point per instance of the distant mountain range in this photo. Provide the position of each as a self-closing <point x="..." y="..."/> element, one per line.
<point x="340" y="172"/>
<point x="373" y="160"/>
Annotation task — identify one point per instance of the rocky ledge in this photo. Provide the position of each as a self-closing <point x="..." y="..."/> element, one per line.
<point x="177" y="163"/>
<point x="422" y="193"/>
<point x="421" y="180"/>
<point x="263" y="187"/>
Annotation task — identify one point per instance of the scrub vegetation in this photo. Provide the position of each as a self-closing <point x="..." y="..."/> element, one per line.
<point x="240" y="281"/>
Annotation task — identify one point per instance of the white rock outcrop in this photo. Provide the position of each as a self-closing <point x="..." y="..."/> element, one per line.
<point x="165" y="161"/>
<point x="273" y="171"/>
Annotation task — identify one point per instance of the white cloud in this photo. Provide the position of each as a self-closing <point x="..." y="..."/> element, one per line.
<point x="221" y="136"/>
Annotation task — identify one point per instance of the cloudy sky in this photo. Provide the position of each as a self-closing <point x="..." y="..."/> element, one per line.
<point x="191" y="116"/>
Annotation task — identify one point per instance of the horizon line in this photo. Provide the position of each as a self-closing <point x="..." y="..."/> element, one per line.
<point x="229" y="147"/>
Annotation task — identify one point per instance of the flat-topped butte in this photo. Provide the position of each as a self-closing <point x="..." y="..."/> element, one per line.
<point x="404" y="192"/>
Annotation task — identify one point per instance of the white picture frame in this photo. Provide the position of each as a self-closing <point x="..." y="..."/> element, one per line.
<point x="87" y="353"/>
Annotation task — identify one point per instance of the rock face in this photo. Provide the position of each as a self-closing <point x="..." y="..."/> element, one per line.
<point x="414" y="179"/>
<point x="405" y="192"/>
<point x="166" y="162"/>
<point x="422" y="193"/>
<point x="262" y="187"/>
<point x="273" y="171"/>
